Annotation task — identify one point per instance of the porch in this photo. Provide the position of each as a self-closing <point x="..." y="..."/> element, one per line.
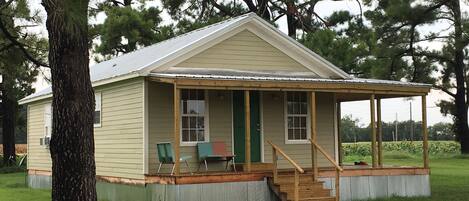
<point x="318" y="161"/>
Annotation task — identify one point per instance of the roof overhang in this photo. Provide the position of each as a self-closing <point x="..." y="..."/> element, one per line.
<point x="381" y="88"/>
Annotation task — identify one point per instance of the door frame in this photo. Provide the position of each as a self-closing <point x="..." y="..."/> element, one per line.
<point x="261" y="121"/>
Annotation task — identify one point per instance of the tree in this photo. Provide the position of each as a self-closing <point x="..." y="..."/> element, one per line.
<point x="127" y="27"/>
<point x="17" y="72"/>
<point x="301" y="15"/>
<point x="397" y="24"/>
<point x="441" y="131"/>
<point x="72" y="142"/>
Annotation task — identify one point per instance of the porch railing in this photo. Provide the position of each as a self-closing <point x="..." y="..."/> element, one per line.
<point x="314" y="148"/>
<point x="276" y="150"/>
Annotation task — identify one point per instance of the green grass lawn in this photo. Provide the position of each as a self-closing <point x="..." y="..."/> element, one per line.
<point x="449" y="175"/>
<point x="13" y="188"/>
<point x="449" y="179"/>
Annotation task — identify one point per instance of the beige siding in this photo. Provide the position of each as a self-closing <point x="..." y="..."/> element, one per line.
<point x="274" y="129"/>
<point x="119" y="140"/>
<point x="38" y="156"/>
<point x="160" y="105"/>
<point x="244" y="51"/>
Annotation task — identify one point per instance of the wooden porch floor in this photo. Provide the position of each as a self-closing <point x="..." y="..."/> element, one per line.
<point x="259" y="175"/>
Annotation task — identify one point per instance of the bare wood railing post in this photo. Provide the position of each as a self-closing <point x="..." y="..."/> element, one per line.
<point x="380" y="132"/>
<point x="337" y="184"/>
<point x="373" y="132"/>
<point x="298" y="169"/>
<point x="274" y="165"/>
<point x="314" y="156"/>
<point x="176" y="113"/>
<point x="314" y="145"/>
<point x="426" y="161"/>
<point x="297" y="183"/>
<point x="247" y="119"/>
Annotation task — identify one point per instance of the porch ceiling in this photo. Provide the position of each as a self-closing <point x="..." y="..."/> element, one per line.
<point x="346" y="89"/>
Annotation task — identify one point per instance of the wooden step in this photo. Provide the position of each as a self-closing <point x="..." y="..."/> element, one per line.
<point x="291" y="179"/>
<point x="308" y="190"/>
<point x="318" y="199"/>
<point x="309" y="194"/>
<point x="305" y="187"/>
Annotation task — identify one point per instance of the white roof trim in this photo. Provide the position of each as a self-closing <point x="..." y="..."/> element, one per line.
<point x="162" y="55"/>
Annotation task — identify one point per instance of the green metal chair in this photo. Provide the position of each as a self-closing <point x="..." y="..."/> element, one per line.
<point x="165" y="156"/>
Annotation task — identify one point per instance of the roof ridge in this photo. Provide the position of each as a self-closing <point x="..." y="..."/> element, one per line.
<point x="250" y="14"/>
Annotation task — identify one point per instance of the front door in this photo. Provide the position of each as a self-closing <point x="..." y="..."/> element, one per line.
<point x="239" y="126"/>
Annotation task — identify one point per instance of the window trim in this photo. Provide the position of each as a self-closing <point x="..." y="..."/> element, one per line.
<point x="308" y="119"/>
<point x="47" y="106"/>
<point x="206" y="120"/>
<point x="100" y="110"/>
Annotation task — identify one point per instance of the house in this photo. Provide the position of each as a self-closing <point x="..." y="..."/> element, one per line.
<point x="273" y="102"/>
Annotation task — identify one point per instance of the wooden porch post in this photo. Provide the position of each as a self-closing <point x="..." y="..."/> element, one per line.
<point x="177" y="102"/>
<point x="380" y="132"/>
<point x="339" y="138"/>
<point x="373" y="131"/>
<point x="314" y="158"/>
<point x="247" y="118"/>
<point x="426" y="163"/>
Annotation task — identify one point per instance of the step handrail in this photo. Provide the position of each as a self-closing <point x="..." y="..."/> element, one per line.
<point x="315" y="146"/>
<point x="329" y="158"/>
<point x="298" y="169"/>
<point x="291" y="161"/>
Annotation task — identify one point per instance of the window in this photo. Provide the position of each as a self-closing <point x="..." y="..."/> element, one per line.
<point x="296" y="109"/>
<point x="97" y="110"/>
<point x="193" y="116"/>
<point x="47" y="120"/>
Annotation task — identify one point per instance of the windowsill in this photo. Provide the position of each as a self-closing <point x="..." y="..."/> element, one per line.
<point x="296" y="141"/>
<point x="190" y="144"/>
<point x="97" y="125"/>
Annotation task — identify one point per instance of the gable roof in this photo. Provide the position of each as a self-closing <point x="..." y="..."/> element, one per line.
<point x="153" y="58"/>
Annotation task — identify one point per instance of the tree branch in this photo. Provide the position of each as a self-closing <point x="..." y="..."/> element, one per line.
<point x="20" y="46"/>
<point x="221" y="8"/>
<point x="444" y="90"/>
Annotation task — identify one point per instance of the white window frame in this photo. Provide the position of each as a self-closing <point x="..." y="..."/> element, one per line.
<point x="98" y="107"/>
<point x="308" y="119"/>
<point x="48" y="127"/>
<point x="206" y="120"/>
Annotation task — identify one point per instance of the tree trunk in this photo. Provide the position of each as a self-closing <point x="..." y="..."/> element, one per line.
<point x="462" y="128"/>
<point x="291" y="21"/>
<point x="72" y="142"/>
<point x="8" y="120"/>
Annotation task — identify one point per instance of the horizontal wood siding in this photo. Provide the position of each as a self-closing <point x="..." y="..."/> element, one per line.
<point x="274" y="130"/>
<point x="38" y="156"/>
<point x="160" y="105"/>
<point x="244" y="51"/>
<point x="119" y="140"/>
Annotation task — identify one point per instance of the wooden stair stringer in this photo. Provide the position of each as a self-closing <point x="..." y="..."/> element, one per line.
<point x="308" y="190"/>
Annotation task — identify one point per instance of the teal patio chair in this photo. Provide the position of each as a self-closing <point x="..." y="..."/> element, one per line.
<point x="214" y="151"/>
<point x="165" y="156"/>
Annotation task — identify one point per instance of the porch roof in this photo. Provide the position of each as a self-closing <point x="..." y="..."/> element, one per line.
<point x="347" y="89"/>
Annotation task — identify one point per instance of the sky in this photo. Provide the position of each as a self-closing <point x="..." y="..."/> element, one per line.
<point x="391" y="108"/>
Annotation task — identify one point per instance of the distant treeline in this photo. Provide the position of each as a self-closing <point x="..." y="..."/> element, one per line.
<point x="351" y="131"/>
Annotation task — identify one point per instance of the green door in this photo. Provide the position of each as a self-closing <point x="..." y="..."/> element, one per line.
<point x="239" y="126"/>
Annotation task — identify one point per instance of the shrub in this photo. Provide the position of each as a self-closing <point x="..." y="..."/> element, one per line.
<point x="435" y="148"/>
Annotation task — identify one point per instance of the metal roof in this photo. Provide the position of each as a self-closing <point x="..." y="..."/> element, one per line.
<point x="135" y="61"/>
<point x="141" y="62"/>
<point x="273" y="76"/>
